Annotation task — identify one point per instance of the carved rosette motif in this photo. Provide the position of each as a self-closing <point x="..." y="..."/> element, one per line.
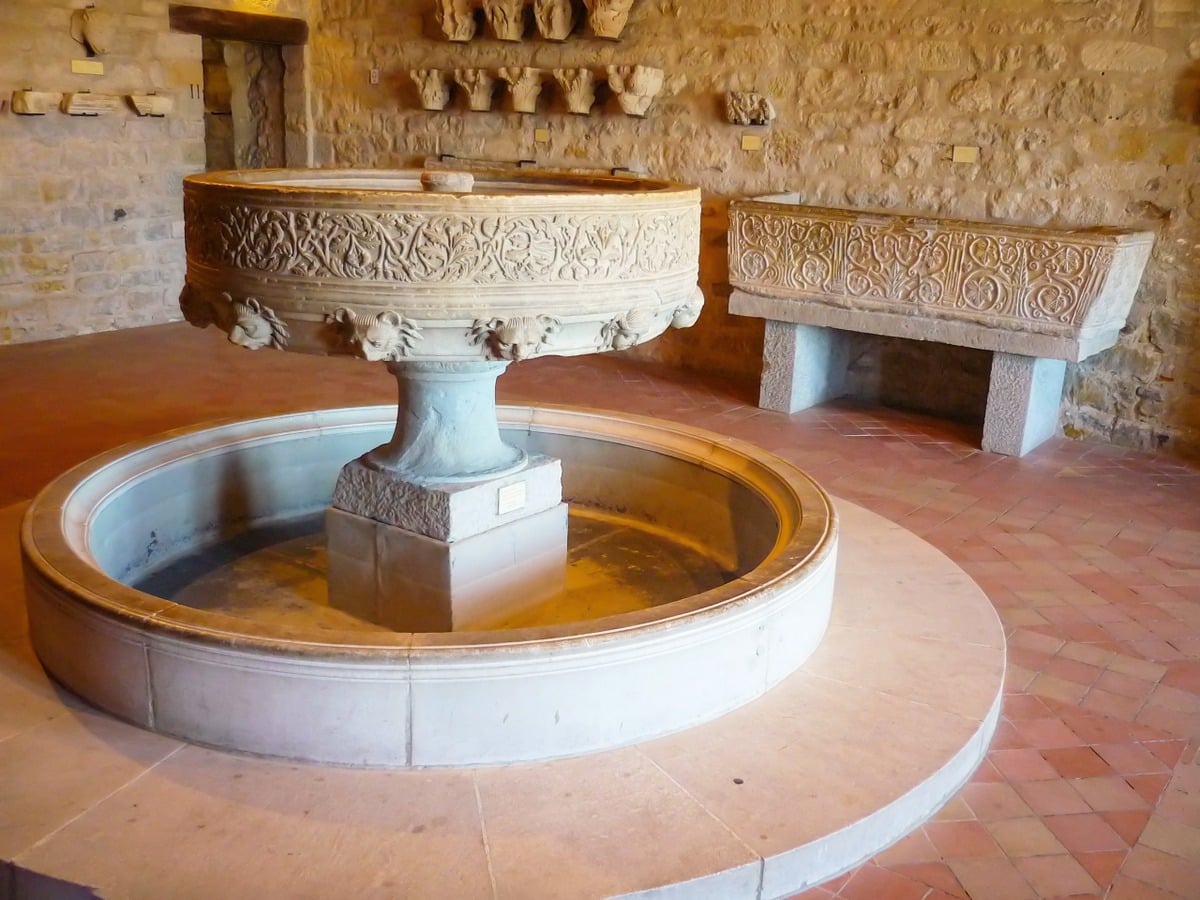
<point x="944" y="267"/>
<point x="419" y="248"/>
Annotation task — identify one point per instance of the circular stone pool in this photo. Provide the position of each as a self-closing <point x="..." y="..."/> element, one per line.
<point x="380" y="698"/>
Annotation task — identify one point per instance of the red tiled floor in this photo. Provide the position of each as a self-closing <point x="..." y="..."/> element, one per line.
<point x="1085" y="833"/>
<point x="1077" y="762"/>
<point x="1089" y="552"/>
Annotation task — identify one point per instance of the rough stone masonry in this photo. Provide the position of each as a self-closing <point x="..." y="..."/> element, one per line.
<point x="1084" y="112"/>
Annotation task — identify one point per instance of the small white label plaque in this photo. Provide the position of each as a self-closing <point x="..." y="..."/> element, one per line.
<point x="510" y="498"/>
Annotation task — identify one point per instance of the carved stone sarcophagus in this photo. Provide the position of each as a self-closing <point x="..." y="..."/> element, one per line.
<point x="1018" y="289"/>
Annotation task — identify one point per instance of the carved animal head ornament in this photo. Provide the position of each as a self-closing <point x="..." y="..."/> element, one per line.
<point x="520" y="337"/>
<point x="196" y="310"/>
<point x="624" y="332"/>
<point x="687" y="313"/>
<point x="384" y="336"/>
<point x="256" y="326"/>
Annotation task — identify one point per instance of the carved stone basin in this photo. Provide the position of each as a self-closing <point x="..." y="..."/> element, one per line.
<point x="448" y="277"/>
<point x="388" y="265"/>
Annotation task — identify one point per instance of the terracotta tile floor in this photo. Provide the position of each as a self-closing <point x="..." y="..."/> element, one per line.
<point x="1090" y="553"/>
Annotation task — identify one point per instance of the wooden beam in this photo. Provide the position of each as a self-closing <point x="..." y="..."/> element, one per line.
<point x="237" y="26"/>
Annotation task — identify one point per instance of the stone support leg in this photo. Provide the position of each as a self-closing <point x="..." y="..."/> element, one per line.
<point x="1023" y="402"/>
<point x="803" y="365"/>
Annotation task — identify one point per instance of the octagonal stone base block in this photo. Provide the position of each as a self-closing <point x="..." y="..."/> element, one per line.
<point x="410" y="582"/>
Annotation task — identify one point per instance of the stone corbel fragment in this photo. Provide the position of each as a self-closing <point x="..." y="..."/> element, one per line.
<point x="554" y="18"/>
<point x="95" y="29"/>
<point x="748" y="108"/>
<point x="34" y="103"/>
<point x="607" y="18"/>
<point x="151" y="104"/>
<point x="507" y="18"/>
<point x="524" y="84"/>
<point x="579" y="87"/>
<point x="635" y="87"/>
<point x="479" y="84"/>
<point x="85" y="103"/>
<point x="434" y="85"/>
<point x="457" y="18"/>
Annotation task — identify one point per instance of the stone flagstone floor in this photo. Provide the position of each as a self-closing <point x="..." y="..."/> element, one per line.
<point x="1091" y="555"/>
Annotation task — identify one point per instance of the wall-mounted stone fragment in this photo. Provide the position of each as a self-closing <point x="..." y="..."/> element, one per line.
<point x="34" y="103"/>
<point x="607" y="18"/>
<point x="434" y="85"/>
<point x="85" y="103"/>
<point x="579" y="87"/>
<point x="524" y="85"/>
<point x="151" y="104"/>
<point x="479" y="84"/>
<point x="554" y="18"/>
<point x="457" y="18"/>
<point x="748" y="108"/>
<point x="635" y="87"/>
<point x="506" y="17"/>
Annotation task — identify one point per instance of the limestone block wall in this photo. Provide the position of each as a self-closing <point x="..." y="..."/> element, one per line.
<point x="1084" y="112"/>
<point x="90" y="227"/>
<point x="91" y="221"/>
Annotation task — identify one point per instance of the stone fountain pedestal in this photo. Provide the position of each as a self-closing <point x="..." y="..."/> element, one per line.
<point x="446" y="527"/>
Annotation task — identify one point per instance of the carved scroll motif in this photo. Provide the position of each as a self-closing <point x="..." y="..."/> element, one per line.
<point x="921" y="263"/>
<point x="520" y="337"/>
<point x="440" y="249"/>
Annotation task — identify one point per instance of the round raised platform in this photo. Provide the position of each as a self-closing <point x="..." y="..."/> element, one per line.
<point x="381" y="698"/>
<point x="884" y="722"/>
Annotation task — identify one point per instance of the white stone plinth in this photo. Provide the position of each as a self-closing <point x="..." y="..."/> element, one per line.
<point x="802" y="366"/>
<point x="409" y="582"/>
<point x="1022" y="403"/>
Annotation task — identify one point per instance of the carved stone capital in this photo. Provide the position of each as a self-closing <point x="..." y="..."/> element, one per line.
<point x="635" y="87"/>
<point x="579" y="88"/>
<point x="434" y="85"/>
<point x="457" y="18"/>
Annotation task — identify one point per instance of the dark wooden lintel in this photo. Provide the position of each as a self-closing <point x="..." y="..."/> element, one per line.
<point x="223" y="25"/>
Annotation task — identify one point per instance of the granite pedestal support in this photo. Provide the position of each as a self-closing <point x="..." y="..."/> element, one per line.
<point x="804" y="365"/>
<point x="446" y="527"/>
<point x="1024" y="395"/>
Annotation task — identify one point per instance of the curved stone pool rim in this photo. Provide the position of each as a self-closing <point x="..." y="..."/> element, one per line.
<point x="408" y="699"/>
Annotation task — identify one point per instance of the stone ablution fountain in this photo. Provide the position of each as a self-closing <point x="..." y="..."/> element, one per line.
<point x="450" y="630"/>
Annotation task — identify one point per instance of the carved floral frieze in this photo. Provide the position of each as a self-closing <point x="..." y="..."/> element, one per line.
<point x="502" y="266"/>
<point x="936" y="265"/>
<point x="423" y="248"/>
